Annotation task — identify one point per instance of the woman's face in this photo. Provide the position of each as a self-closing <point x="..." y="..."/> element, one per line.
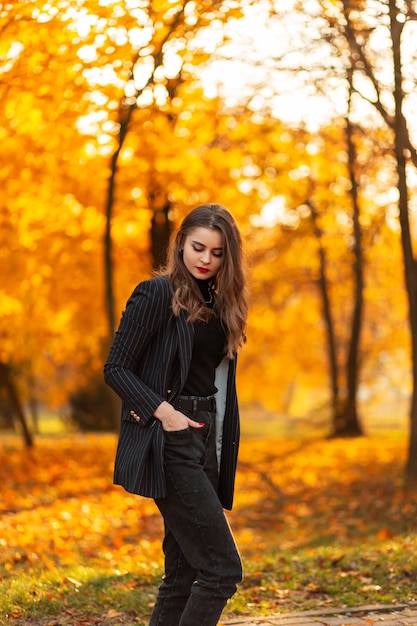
<point x="203" y="252"/>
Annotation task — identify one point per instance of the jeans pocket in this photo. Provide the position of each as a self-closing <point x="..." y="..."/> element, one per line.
<point x="183" y="446"/>
<point x="178" y="439"/>
<point x="177" y="433"/>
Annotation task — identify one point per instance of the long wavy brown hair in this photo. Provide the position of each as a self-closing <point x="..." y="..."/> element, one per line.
<point x="229" y="282"/>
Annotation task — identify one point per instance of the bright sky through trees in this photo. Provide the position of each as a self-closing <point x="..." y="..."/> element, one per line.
<point x="272" y="62"/>
<point x="283" y="63"/>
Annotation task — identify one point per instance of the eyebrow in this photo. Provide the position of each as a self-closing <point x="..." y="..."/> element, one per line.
<point x="204" y="246"/>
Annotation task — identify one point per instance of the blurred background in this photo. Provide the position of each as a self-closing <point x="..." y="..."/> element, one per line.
<point x="119" y="116"/>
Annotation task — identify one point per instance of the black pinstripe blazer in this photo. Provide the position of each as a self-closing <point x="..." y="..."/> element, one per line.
<point x="148" y="363"/>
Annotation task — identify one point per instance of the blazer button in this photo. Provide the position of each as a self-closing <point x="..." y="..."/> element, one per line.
<point x="135" y="416"/>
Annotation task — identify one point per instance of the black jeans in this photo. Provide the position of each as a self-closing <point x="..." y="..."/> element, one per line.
<point x="202" y="563"/>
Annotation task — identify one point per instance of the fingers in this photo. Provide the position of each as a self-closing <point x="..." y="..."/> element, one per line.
<point x="181" y="422"/>
<point x="194" y="424"/>
<point x="173" y="420"/>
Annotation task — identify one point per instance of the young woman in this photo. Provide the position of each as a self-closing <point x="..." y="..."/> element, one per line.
<point x="173" y="363"/>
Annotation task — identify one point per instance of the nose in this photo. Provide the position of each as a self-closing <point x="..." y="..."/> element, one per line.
<point x="205" y="256"/>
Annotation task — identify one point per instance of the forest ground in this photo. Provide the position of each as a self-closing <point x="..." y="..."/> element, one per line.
<point x="319" y="523"/>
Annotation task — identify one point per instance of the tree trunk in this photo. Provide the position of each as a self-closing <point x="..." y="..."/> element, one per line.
<point x="345" y="419"/>
<point x="124" y="120"/>
<point x="7" y="381"/>
<point x="348" y="424"/>
<point x="126" y="112"/>
<point x="160" y="231"/>
<point x="327" y="315"/>
<point x="410" y="269"/>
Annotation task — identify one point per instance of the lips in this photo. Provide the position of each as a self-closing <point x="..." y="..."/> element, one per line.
<point x="202" y="270"/>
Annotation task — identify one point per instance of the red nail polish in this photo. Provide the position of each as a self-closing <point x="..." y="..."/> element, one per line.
<point x="201" y="424"/>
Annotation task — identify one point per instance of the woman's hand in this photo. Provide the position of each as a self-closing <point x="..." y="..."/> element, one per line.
<point x="172" y="420"/>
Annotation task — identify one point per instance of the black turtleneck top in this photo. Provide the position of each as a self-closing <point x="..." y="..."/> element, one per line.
<point x="208" y="350"/>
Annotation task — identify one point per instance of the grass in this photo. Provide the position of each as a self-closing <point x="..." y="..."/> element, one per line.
<point x="277" y="581"/>
<point x="82" y="590"/>
<point x="330" y="576"/>
<point x="319" y="523"/>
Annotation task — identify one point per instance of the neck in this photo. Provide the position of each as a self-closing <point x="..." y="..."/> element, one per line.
<point x="205" y="290"/>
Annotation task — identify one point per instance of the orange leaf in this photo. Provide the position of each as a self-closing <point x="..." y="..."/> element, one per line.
<point x="384" y="534"/>
<point x="112" y="613"/>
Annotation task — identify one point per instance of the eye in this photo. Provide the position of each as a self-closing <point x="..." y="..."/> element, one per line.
<point x="197" y="248"/>
<point x="218" y="254"/>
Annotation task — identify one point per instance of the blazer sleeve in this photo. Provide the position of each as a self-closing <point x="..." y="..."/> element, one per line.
<point x="141" y="319"/>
